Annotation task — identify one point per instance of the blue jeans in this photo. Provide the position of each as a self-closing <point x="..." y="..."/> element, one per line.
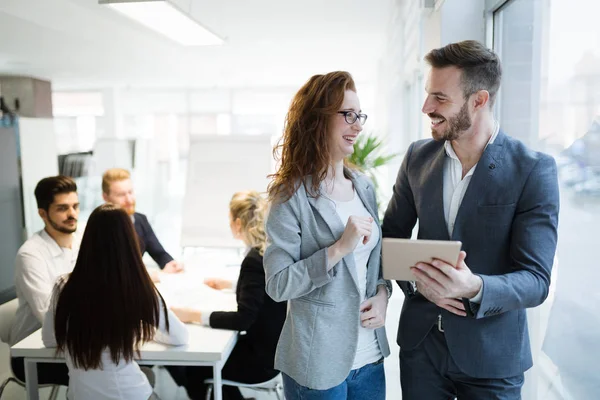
<point x="363" y="383"/>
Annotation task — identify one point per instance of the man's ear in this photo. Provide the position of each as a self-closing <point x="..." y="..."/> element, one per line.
<point x="43" y="214"/>
<point x="105" y="197"/>
<point x="482" y="97"/>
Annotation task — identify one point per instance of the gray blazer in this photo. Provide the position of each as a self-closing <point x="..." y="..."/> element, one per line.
<point x="319" y="338"/>
<point x="507" y="223"/>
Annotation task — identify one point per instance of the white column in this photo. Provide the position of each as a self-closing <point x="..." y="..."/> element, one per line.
<point x="113" y="115"/>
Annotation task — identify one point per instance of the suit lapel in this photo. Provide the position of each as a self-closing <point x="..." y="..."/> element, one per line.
<point x="433" y="207"/>
<point x="362" y="189"/>
<point x="326" y="209"/>
<point x="488" y="168"/>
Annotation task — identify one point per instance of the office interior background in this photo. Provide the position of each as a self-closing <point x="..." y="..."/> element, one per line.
<point x="125" y="95"/>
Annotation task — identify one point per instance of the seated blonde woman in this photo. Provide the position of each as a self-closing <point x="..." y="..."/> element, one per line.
<point x="251" y="361"/>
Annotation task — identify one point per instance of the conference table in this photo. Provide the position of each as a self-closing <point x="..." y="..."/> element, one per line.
<point x="206" y="347"/>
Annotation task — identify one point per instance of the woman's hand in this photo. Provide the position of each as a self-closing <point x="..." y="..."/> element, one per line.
<point x="155" y="276"/>
<point x="173" y="267"/>
<point x="218" y="283"/>
<point x="357" y="228"/>
<point x="373" y="310"/>
<point x="186" y="314"/>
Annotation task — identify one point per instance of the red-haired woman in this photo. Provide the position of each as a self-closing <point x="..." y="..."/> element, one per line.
<point x="324" y="250"/>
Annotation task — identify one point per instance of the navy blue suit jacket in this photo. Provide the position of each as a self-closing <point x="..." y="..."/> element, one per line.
<point x="149" y="242"/>
<point x="507" y="223"/>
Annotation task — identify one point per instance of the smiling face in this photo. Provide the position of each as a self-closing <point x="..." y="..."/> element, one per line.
<point x="343" y="135"/>
<point x="446" y="105"/>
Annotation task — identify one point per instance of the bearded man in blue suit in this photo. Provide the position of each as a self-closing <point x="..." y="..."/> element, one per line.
<point x="463" y="328"/>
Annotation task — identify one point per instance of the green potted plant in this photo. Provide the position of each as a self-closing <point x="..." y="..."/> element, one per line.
<point x="367" y="157"/>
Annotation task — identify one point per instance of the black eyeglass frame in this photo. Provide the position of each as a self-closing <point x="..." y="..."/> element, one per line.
<point x="352" y="116"/>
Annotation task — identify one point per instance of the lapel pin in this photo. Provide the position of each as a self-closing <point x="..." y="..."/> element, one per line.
<point x="492" y="166"/>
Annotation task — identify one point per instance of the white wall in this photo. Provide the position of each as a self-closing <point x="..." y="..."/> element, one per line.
<point x="39" y="159"/>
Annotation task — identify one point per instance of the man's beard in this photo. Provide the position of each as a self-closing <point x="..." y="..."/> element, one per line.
<point x="130" y="210"/>
<point x="456" y="125"/>
<point x="63" y="229"/>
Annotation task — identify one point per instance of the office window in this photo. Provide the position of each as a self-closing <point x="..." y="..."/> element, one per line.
<point x="257" y="124"/>
<point x="77" y="103"/>
<point x="516" y="40"/>
<point x="210" y="124"/>
<point x="551" y="100"/>
<point x="76" y="119"/>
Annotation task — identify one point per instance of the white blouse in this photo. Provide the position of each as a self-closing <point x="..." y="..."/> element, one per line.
<point x="122" y="381"/>
<point x="367" y="350"/>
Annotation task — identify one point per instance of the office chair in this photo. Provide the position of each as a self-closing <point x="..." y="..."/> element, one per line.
<point x="7" y="315"/>
<point x="273" y="385"/>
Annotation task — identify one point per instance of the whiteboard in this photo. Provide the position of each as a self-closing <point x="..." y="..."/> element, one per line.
<point x="219" y="166"/>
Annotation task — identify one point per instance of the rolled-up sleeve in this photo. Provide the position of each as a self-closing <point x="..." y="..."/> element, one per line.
<point x="31" y="277"/>
<point x="48" y="335"/>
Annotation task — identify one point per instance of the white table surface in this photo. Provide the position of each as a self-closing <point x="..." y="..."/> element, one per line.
<point x="206" y="344"/>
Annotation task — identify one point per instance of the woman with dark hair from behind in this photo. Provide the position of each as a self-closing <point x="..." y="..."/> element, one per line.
<point x="105" y="310"/>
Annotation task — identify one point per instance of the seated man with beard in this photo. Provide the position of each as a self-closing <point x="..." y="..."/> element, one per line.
<point x="117" y="188"/>
<point x="41" y="260"/>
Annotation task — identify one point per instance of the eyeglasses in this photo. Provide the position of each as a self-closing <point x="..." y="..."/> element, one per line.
<point x="351" y="117"/>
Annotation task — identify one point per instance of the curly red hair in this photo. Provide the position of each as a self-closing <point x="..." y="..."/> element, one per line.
<point x="304" y="145"/>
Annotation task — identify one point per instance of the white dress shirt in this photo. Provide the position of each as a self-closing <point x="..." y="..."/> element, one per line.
<point x="455" y="187"/>
<point x="39" y="263"/>
<point x="367" y="349"/>
<point x="122" y="381"/>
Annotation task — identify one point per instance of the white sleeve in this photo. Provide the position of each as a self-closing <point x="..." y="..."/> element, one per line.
<point x="478" y="296"/>
<point x="178" y="334"/>
<point x="205" y="317"/>
<point x="31" y="276"/>
<point x="48" y="336"/>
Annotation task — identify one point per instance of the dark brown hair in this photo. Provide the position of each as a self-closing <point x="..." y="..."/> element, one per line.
<point x="47" y="188"/>
<point x="108" y="301"/>
<point x="304" y="145"/>
<point x="480" y="66"/>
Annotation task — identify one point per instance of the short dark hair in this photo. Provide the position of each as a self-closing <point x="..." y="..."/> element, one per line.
<point x="480" y="66"/>
<point x="49" y="187"/>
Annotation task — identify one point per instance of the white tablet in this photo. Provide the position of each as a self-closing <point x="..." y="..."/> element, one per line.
<point x="399" y="255"/>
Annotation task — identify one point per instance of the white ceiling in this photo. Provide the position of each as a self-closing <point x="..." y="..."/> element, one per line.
<point x="79" y="44"/>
